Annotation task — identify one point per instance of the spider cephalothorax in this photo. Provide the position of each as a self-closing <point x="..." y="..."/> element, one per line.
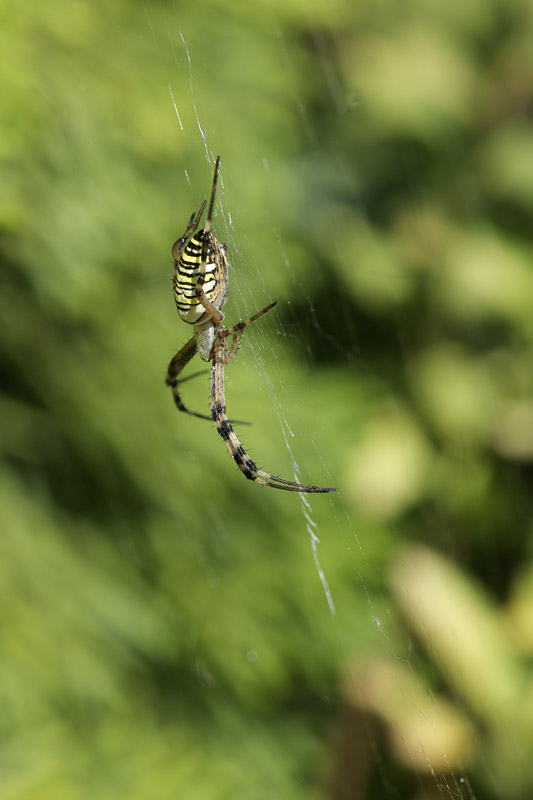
<point x="200" y="289"/>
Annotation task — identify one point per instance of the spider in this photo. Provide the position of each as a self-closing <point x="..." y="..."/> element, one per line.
<point x="200" y="286"/>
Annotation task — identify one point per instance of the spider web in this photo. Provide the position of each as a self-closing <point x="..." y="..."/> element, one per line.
<point x="246" y="288"/>
<point x="249" y="291"/>
<point x="399" y="659"/>
<point x="202" y="631"/>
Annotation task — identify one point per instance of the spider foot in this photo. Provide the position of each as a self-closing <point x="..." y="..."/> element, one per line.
<point x="252" y="472"/>
<point x="292" y="486"/>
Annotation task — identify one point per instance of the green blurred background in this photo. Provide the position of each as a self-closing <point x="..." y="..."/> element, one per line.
<point x="164" y="632"/>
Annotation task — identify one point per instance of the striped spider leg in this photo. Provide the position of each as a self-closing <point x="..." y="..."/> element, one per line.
<point x="200" y="291"/>
<point x="178" y="363"/>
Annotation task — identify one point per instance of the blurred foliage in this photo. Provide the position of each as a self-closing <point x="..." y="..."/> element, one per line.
<point x="164" y="632"/>
<point x="430" y="728"/>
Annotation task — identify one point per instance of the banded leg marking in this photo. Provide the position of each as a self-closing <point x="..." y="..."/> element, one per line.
<point x="218" y="411"/>
<point x="178" y="363"/>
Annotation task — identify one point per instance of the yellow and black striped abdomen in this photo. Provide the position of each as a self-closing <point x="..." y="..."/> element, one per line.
<point x="186" y="277"/>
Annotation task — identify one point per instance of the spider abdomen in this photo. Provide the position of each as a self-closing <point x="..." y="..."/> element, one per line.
<point x="186" y="278"/>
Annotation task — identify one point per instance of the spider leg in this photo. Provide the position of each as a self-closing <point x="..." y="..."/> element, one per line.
<point x="178" y="363"/>
<point x="179" y="244"/>
<point x="237" y="330"/>
<point x="223" y="426"/>
<point x="216" y="315"/>
<point x="194" y="375"/>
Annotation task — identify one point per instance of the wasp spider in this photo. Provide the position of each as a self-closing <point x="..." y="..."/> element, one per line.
<point x="200" y="289"/>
